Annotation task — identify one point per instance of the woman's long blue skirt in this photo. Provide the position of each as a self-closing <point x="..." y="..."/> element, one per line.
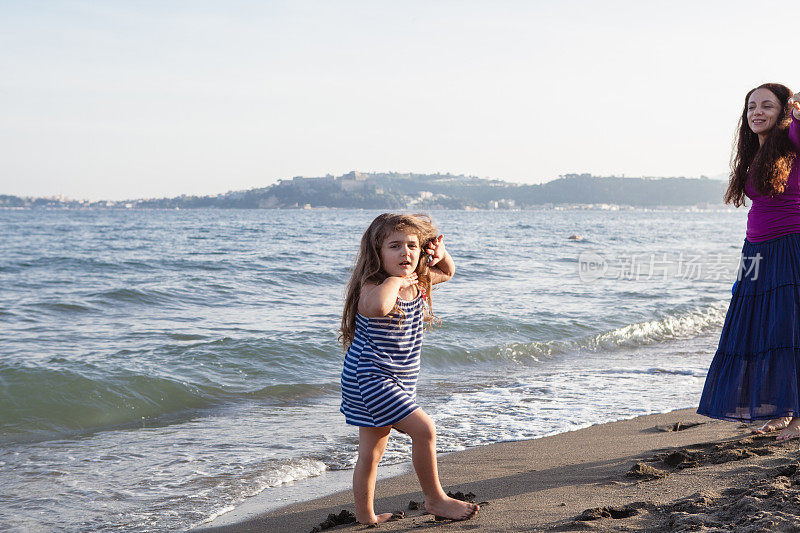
<point x="755" y="374"/>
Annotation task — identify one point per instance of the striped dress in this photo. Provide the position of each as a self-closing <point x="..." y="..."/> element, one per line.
<point x="379" y="379"/>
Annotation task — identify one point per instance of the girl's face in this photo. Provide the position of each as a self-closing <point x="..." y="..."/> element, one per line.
<point x="763" y="111"/>
<point x="400" y="253"/>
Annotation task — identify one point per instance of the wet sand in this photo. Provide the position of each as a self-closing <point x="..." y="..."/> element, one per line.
<point x="651" y="473"/>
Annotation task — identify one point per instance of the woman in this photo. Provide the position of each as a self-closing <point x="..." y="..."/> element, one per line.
<point x="755" y="374"/>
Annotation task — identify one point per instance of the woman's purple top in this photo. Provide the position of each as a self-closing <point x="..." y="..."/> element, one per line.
<point x="775" y="216"/>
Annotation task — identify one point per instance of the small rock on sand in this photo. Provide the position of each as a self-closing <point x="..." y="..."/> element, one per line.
<point x="596" y="513"/>
<point x="468" y="497"/>
<point x="646" y="472"/>
<point x="679" y="426"/>
<point x="679" y="458"/>
<point x="333" y="520"/>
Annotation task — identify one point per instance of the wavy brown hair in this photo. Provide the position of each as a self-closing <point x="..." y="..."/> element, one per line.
<point x="368" y="268"/>
<point x="768" y="165"/>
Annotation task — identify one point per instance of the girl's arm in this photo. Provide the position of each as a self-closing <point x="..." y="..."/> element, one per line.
<point x="378" y="300"/>
<point x="442" y="266"/>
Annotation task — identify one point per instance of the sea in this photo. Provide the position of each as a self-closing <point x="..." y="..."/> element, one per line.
<point x="159" y="369"/>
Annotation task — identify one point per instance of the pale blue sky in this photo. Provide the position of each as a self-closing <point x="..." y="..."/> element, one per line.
<point x="111" y="99"/>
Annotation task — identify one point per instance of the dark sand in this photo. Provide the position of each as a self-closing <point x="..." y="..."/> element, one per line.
<point x="632" y="475"/>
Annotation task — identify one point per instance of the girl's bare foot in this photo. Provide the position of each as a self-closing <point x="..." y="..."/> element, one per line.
<point x="451" y="508"/>
<point x="378" y="519"/>
<point x="792" y="431"/>
<point x="774" y="425"/>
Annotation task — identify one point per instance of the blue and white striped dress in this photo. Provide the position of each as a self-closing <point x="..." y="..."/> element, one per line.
<point x="379" y="379"/>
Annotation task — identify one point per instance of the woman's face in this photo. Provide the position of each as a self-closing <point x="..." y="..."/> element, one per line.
<point x="763" y="111"/>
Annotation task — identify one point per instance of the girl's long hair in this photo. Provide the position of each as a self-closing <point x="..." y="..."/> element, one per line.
<point x="768" y="165"/>
<point x="368" y="269"/>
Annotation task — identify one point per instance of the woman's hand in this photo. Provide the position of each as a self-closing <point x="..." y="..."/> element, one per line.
<point x="435" y="250"/>
<point x="794" y="102"/>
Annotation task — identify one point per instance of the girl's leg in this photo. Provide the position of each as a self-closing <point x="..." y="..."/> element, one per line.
<point x="420" y="428"/>
<point x="371" y="445"/>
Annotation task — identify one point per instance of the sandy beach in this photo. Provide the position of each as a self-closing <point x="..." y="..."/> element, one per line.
<point x="651" y="473"/>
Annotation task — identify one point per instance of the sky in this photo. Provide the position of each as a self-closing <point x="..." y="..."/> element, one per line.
<point x="141" y="99"/>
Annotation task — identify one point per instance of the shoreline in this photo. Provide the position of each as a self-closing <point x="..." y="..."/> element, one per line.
<point x="330" y="482"/>
<point x="545" y="483"/>
<point x="274" y="499"/>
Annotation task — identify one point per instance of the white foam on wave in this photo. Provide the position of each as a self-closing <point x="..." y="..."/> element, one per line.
<point x="574" y="392"/>
<point x="683" y="325"/>
<point x="288" y="472"/>
<point x="294" y="470"/>
<point x="677" y="326"/>
<point x="214" y="516"/>
<point x="330" y="482"/>
<point x="653" y="371"/>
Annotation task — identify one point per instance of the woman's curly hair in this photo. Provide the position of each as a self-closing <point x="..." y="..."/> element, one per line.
<point x="767" y="165"/>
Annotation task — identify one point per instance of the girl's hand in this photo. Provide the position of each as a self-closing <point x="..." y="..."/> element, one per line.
<point x="435" y="250"/>
<point x="408" y="281"/>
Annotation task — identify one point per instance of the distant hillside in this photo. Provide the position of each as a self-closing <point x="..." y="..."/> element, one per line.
<point x="586" y="189"/>
<point x="427" y="191"/>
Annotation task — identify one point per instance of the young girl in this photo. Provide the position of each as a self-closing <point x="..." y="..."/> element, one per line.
<point x="384" y="314"/>
<point x="755" y="374"/>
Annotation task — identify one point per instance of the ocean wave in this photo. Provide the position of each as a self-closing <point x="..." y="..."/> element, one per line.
<point x="678" y="325"/>
<point x="139" y="266"/>
<point x="674" y="326"/>
<point x="69" y="397"/>
<point x="240" y="366"/>
<point x="183" y="336"/>
<point x="293" y="392"/>
<point x="82" y="263"/>
<point x="287" y="472"/>
<point x="285" y="276"/>
<point x="168" y="297"/>
<point x="184" y="265"/>
<point x="133" y="296"/>
<point x="483" y="270"/>
<point x="39" y="403"/>
<point x="654" y="371"/>
<point x="237" y="362"/>
<point x="256" y="480"/>
<point x="61" y="307"/>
